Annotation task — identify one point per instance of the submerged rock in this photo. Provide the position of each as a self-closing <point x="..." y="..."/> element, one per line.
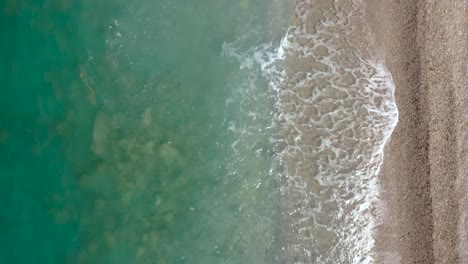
<point x="148" y="147"/>
<point x="147" y="117"/>
<point x="170" y="154"/>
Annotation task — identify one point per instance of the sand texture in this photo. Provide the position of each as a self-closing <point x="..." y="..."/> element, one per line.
<point x="423" y="215"/>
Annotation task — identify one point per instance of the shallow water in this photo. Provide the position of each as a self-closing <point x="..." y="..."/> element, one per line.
<point x="337" y="108"/>
<point x="128" y="137"/>
<point x="175" y="132"/>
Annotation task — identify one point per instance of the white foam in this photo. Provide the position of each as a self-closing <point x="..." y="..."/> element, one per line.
<point x="336" y="110"/>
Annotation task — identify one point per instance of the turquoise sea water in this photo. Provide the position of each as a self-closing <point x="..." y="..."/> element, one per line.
<point x="127" y="137"/>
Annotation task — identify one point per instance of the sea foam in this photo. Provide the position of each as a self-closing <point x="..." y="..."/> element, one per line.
<point x="335" y="110"/>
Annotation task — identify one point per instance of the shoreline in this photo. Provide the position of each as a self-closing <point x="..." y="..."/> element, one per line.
<point x="423" y="213"/>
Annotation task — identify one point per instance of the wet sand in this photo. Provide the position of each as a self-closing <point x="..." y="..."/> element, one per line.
<point x="423" y="217"/>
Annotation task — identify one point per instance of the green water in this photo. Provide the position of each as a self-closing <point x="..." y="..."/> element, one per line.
<point x="126" y="137"/>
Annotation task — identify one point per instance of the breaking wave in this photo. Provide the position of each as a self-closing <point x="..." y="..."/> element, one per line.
<point x="334" y="111"/>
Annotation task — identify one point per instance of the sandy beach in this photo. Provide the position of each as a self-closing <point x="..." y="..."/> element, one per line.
<point x="423" y="217"/>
